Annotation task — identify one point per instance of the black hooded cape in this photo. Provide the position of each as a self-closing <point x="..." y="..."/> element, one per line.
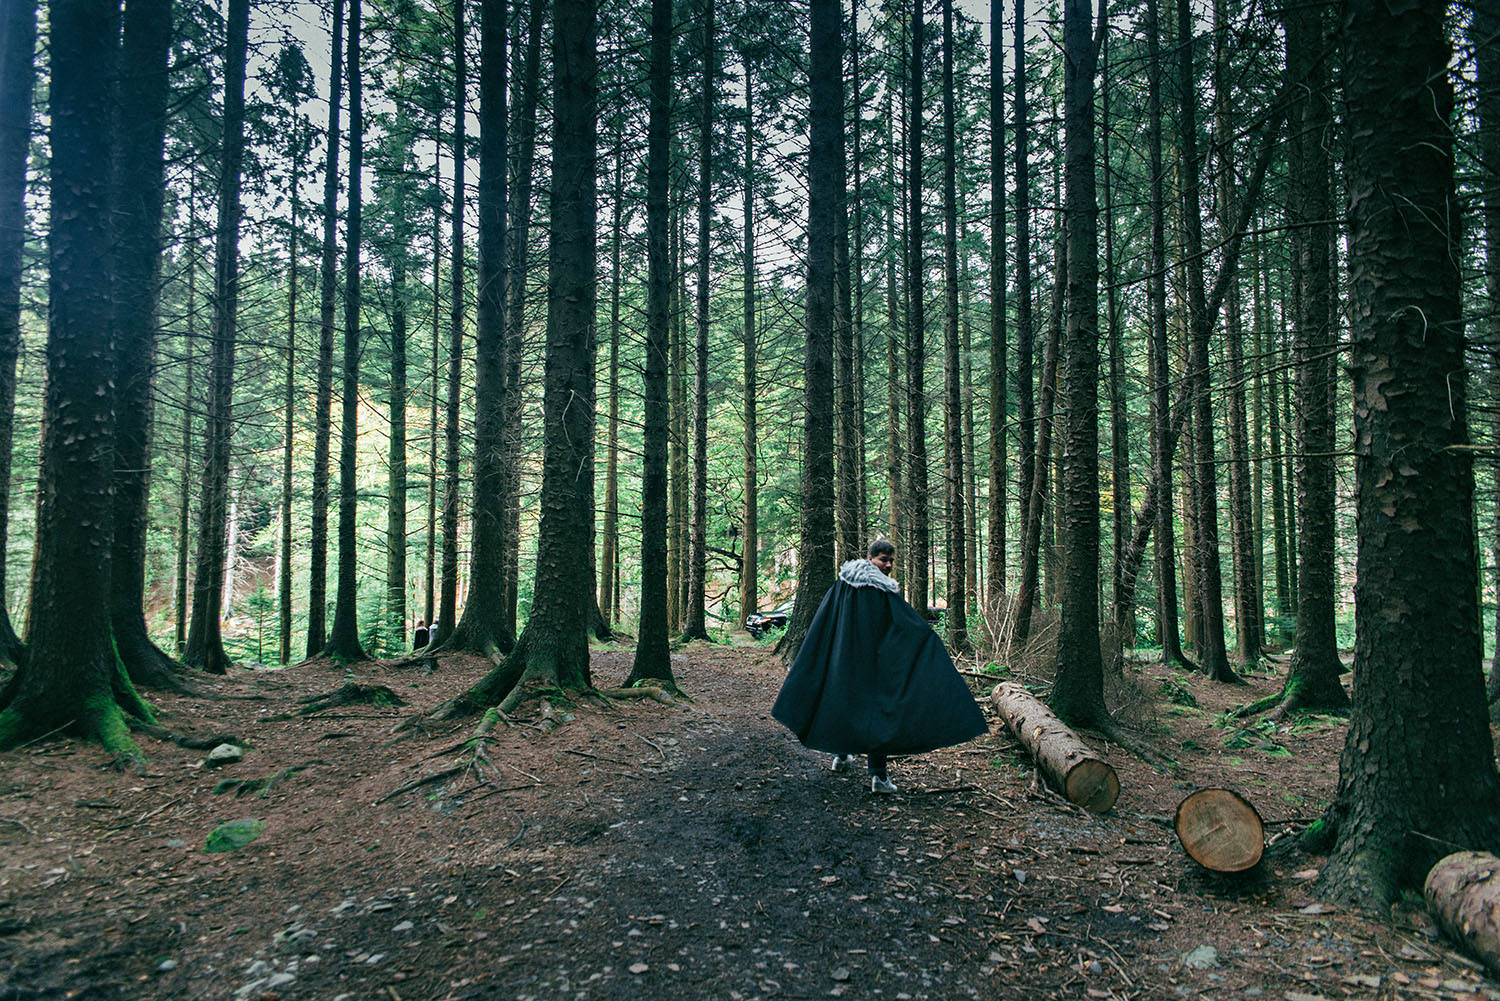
<point x="872" y="676"/>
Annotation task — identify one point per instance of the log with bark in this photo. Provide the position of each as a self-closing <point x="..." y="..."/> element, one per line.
<point x="1220" y="830"/>
<point x="1463" y="893"/>
<point x="1069" y="764"/>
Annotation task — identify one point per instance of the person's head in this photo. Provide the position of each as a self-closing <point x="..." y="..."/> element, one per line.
<point x="883" y="554"/>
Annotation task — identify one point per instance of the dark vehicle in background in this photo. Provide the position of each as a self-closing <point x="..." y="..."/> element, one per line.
<point x="758" y="624"/>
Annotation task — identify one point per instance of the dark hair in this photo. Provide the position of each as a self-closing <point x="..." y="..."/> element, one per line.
<point x="880" y="546"/>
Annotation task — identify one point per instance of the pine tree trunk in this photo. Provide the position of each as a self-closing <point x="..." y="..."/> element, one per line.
<point x="429" y="582"/>
<point x="1417" y="779"/>
<point x="694" y="626"/>
<point x="1486" y="27"/>
<point x="1212" y="651"/>
<point x="750" y="568"/>
<point x="1078" y="690"/>
<point x="448" y="590"/>
<point x="957" y="544"/>
<point x="609" y="595"/>
<point x="138" y="195"/>
<point x="677" y="466"/>
<point x="184" y="486"/>
<point x="1247" y="602"/>
<point x="395" y="520"/>
<point x="17" y="56"/>
<point x="205" y="647"/>
<point x="1313" y="677"/>
<point x="1168" y="626"/>
<point x="896" y="522"/>
<point x="1122" y="603"/>
<point x="515" y="311"/>
<point x="343" y="636"/>
<point x="999" y="403"/>
<point x="557" y="632"/>
<point x="481" y="630"/>
<point x="1031" y="542"/>
<point x="916" y="501"/>
<point x="1025" y="334"/>
<point x="652" y="652"/>
<point x="288" y="430"/>
<point x="815" y="551"/>
<point x="72" y="678"/>
<point x="317" y="575"/>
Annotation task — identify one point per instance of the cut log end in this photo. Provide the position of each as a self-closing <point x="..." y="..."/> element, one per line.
<point x="1220" y="830"/>
<point x="1093" y="785"/>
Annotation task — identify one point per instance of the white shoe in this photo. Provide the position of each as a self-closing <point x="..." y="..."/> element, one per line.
<point x="841" y="762"/>
<point x="881" y="784"/>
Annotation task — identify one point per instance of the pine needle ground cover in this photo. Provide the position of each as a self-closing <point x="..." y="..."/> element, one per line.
<point x="642" y="850"/>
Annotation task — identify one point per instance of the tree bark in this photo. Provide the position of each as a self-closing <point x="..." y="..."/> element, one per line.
<point x="1313" y="676"/>
<point x="1078" y="689"/>
<point x="1025" y="335"/>
<point x="1122" y="611"/>
<point x="916" y="556"/>
<point x="343" y="636"/>
<point x="1418" y="767"/>
<point x="138" y="195"/>
<point x="482" y="628"/>
<point x="1247" y="601"/>
<point x="652" y="650"/>
<point x="609" y="554"/>
<point x="957" y="545"/>
<point x="1213" y="654"/>
<point x="205" y="647"/>
<point x="515" y="311"/>
<point x="750" y="568"/>
<point x="395" y="636"/>
<point x="317" y="574"/>
<point x="72" y="679"/>
<point x="694" y="626"/>
<point x="1071" y="765"/>
<point x="815" y="551"/>
<point x="999" y="473"/>
<point x="448" y="590"/>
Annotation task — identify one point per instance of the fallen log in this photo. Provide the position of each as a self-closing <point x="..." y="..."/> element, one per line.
<point x="1069" y="764"/>
<point x="1463" y="893"/>
<point x="1220" y="830"/>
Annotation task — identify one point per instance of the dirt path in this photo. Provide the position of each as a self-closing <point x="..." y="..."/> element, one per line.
<point x="648" y="851"/>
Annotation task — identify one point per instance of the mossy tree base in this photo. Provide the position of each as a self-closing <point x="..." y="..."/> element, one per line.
<point x="104" y="714"/>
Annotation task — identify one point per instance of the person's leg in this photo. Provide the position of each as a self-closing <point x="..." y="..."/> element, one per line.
<point x="877" y="764"/>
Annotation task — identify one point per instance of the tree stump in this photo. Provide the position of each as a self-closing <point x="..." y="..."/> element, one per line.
<point x="1068" y="763"/>
<point x="1220" y="830"/>
<point x="1463" y="893"/>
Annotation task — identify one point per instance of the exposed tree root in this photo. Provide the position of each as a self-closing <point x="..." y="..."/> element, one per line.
<point x="1116" y="734"/>
<point x="261" y="786"/>
<point x="641" y="692"/>
<point x="192" y="742"/>
<point x="351" y="694"/>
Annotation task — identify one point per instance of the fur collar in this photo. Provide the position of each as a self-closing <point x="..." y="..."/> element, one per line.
<point x="863" y="573"/>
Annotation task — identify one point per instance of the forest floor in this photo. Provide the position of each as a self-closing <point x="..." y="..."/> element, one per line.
<point x="641" y="850"/>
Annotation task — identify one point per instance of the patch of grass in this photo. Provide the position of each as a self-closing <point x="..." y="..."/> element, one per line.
<point x="1190" y="745"/>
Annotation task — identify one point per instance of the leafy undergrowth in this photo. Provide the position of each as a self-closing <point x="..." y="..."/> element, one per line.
<point x="640" y="850"/>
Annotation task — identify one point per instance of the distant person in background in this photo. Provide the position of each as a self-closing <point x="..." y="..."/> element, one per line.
<point x="420" y="641"/>
<point x="872" y="677"/>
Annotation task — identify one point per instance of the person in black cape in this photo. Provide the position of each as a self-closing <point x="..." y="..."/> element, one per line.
<point x="873" y="678"/>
